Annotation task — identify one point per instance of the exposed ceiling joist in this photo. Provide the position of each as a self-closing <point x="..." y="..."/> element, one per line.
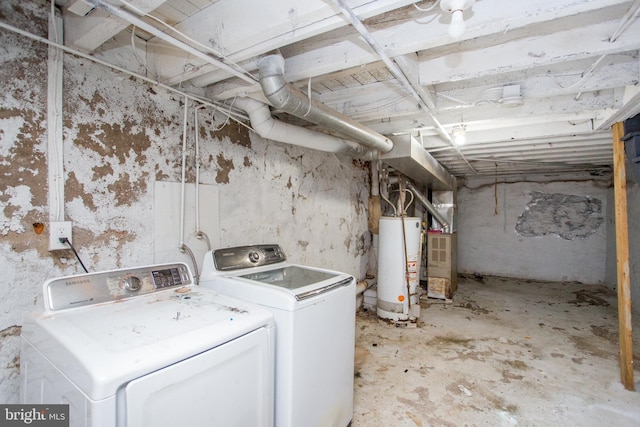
<point x="527" y="81"/>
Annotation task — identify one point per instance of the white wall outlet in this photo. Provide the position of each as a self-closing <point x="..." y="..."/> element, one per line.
<point x="58" y="230"/>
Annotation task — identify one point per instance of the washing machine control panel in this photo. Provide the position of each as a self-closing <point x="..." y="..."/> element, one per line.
<point x="96" y="288"/>
<point x="241" y="257"/>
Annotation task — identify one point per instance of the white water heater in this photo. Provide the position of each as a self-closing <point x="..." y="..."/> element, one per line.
<point x="398" y="274"/>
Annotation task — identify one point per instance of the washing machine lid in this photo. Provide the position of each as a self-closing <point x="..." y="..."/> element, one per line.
<point x="101" y="347"/>
<point x="284" y="286"/>
<point x="302" y="282"/>
<point x="260" y="273"/>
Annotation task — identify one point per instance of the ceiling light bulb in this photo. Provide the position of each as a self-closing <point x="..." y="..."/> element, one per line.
<point x="457" y="26"/>
<point x="459" y="135"/>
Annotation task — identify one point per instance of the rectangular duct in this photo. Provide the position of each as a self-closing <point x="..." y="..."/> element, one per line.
<point x="411" y="159"/>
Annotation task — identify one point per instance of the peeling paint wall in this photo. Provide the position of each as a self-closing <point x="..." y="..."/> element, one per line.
<point x="120" y="137"/>
<point x="544" y="230"/>
<point x="565" y="215"/>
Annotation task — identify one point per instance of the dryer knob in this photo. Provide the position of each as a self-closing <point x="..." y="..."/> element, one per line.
<point x="131" y="283"/>
<point x="254" y="256"/>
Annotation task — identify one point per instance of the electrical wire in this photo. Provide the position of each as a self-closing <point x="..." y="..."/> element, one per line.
<point x="226" y="122"/>
<point x="627" y="19"/>
<point x="133" y="47"/>
<point x="221" y="106"/>
<point x="586" y="75"/>
<point x="429" y="9"/>
<point x="65" y="240"/>
<point x="190" y="39"/>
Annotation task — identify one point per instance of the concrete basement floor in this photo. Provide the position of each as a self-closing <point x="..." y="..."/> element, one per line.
<point x="505" y="352"/>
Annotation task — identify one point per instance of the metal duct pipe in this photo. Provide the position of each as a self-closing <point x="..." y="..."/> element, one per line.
<point x="427" y="204"/>
<point x="289" y="99"/>
<point x="267" y="127"/>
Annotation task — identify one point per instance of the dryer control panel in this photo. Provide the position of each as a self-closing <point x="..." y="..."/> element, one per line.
<point x="242" y="257"/>
<point x="95" y="288"/>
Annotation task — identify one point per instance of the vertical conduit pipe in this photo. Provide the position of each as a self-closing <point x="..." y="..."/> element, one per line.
<point x="183" y="179"/>
<point x="199" y="233"/>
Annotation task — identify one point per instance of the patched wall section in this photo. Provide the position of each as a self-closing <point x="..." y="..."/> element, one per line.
<point x="565" y="215"/>
<point x="535" y="230"/>
<point x="120" y="137"/>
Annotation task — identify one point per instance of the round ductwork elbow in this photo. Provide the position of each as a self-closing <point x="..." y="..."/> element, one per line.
<point x="287" y="98"/>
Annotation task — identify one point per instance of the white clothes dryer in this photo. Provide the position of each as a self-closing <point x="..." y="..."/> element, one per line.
<point x="314" y="311"/>
<point x="146" y="347"/>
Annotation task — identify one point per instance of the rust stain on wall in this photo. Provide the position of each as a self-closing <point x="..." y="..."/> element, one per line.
<point x="73" y="186"/>
<point x="115" y="239"/>
<point x="36" y="24"/>
<point x="236" y="133"/>
<point x="226" y="165"/>
<point x="100" y="171"/>
<point x="96" y="103"/>
<point x="22" y="167"/>
<point x="114" y="143"/>
<point x="11" y="331"/>
<point x="160" y="174"/>
<point x="113" y="140"/>
<point x="127" y="191"/>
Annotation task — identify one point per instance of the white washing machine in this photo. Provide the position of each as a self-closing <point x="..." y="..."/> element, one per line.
<point x="146" y="347"/>
<point x="314" y="311"/>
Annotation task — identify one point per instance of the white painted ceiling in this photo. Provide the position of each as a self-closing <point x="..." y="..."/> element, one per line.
<point x="536" y="84"/>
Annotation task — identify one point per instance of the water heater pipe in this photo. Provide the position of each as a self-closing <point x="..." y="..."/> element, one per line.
<point x="427" y="204"/>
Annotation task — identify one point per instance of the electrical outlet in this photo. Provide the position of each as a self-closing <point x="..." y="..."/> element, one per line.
<point x="58" y="230"/>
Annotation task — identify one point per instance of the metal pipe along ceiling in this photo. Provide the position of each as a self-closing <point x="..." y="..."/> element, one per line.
<point x="267" y="127"/>
<point x="289" y="99"/>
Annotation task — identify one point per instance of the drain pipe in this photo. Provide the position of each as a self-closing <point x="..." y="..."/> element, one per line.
<point x="362" y="286"/>
<point x="427" y="204"/>
<point x="268" y="127"/>
<point x="285" y="97"/>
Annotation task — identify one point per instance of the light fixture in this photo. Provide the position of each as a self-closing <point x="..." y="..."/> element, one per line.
<point x="459" y="134"/>
<point x="511" y="96"/>
<point x="456" y="7"/>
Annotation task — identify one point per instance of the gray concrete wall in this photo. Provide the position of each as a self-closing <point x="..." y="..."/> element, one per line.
<point x="121" y="138"/>
<point x="537" y="230"/>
